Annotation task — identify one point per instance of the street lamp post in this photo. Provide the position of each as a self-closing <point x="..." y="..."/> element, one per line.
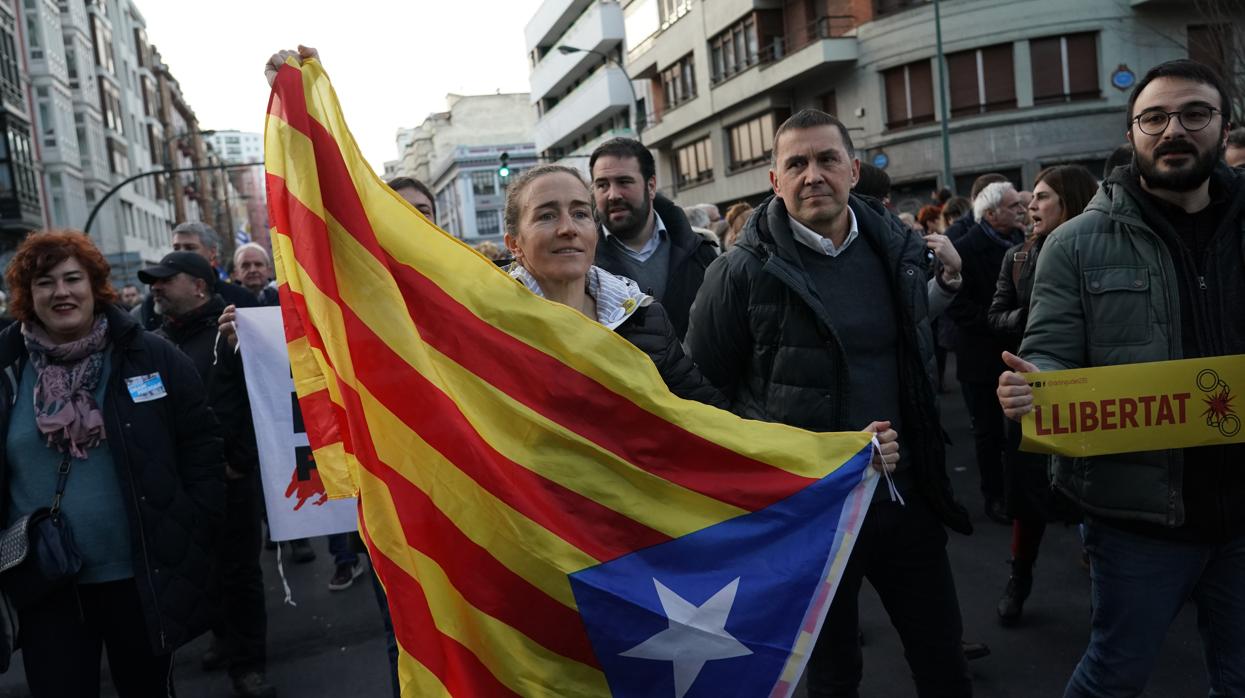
<point x="943" y="117"/>
<point x="152" y="173"/>
<point x="636" y="123"/>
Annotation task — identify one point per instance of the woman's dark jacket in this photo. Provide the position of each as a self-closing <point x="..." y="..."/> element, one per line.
<point x="760" y="333"/>
<point x="650" y="329"/>
<point x="169" y="461"/>
<point x="1009" y="310"/>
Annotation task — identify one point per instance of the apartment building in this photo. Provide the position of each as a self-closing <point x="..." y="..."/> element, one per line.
<point x="579" y="89"/>
<point x="457" y="153"/>
<point x="248" y="198"/>
<point x="1028" y="84"/>
<point x="102" y="107"/>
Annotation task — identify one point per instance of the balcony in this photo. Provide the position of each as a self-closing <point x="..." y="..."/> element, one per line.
<point x="551" y="19"/>
<point x="599" y="29"/>
<point x="607" y="90"/>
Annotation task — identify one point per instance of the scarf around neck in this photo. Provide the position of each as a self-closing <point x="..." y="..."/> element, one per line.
<point x="66" y="376"/>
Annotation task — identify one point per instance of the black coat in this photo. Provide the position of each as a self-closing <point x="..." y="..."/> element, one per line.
<point x="978" y="350"/>
<point x="170" y="465"/>
<point x="650" y="330"/>
<point x="690" y="255"/>
<point x="761" y="334"/>
<point x="1009" y="309"/>
<point x="220" y="367"/>
<point x="197" y="335"/>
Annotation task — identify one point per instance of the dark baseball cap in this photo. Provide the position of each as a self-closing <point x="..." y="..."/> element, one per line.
<point x="175" y="263"/>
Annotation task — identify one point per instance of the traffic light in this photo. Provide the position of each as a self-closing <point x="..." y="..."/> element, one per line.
<point x="504" y="170"/>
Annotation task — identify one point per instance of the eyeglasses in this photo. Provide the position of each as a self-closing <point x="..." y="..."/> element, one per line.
<point x="1154" y="123"/>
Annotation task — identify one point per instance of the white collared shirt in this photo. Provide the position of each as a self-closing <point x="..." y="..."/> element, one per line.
<point x="616" y="296"/>
<point x="650" y="247"/>
<point x="820" y="243"/>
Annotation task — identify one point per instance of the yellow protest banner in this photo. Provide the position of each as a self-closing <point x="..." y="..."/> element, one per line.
<point x="1135" y="407"/>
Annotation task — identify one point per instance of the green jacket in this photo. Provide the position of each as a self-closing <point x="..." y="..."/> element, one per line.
<point x="1106" y="293"/>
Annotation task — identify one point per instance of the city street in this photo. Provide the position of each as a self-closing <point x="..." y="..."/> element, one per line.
<point x="331" y="644"/>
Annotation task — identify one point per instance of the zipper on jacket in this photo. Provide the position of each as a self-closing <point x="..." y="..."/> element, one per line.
<point x="1201" y="282"/>
<point x="138" y="517"/>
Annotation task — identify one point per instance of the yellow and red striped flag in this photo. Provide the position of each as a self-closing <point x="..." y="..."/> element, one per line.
<point x="546" y="517"/>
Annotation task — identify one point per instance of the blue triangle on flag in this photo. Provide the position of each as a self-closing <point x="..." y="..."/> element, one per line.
<point x="780" y="557"/>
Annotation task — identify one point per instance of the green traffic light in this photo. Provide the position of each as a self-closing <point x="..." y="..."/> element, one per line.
<point x="503" y="171"/>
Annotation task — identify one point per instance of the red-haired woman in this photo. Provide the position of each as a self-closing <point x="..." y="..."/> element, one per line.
<point x="1059" y="193"/>
<point x="83" y="386"/>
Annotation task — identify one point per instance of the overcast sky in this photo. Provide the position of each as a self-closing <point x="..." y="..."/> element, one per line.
<point x="391" y="61"/>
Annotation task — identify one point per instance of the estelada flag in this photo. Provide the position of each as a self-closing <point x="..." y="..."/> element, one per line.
<point x="547" y="519"/>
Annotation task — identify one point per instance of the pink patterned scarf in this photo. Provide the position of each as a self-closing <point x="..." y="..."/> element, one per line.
<point x="66" y="376"/>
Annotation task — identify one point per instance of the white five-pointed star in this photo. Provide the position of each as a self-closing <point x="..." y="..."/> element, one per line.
<point x="697" y="634"/>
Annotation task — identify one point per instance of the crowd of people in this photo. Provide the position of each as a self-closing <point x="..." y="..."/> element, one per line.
<point x="821" y="308"/>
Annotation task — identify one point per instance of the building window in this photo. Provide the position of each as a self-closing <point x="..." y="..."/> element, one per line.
<point x="19" y="191"/>
<point x="1213" y="45"/>
<point x="488" y="223"/>
<point x="110" y="106"/>
<point x="694" y="163"/>
<point x="47" y="124"/>
<point x="678" y="82"/>
<point x="886" y="7"/>
<point x="10" y="73"/>
<point x="482" y="183"/>
<point x="101" y="39"/>
<point x="830" y="103"/>
<point x="909" y="95"/>
<point x="1065" y="68"/>
<point x="118" y="160"/>
<point x="981" y="80"/>
<point x="751" y="142"/>
<point x="672" y="10"/>
<point x="735" y="49"/>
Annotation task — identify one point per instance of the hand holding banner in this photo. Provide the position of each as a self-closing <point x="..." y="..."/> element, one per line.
<point x="1135" y="407"/>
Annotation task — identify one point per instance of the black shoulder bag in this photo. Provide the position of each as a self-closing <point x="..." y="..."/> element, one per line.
<point x="37" y="553"/>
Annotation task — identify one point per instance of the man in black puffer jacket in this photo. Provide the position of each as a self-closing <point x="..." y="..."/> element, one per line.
<point x="645" y="237"/>
<point x="818" y="318"/>
<point x="181" y="288"/>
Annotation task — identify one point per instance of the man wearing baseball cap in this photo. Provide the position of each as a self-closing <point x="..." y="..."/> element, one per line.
<point x="183" y="290"/>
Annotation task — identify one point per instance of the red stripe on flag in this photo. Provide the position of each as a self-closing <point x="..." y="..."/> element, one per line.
<point x="450" y="661"/>
<point x="321" y="419"/>
<point x="287" y="101"/>
<point x="486" y="583"/>
<point x="585" y="523"/>
<point x="621" y="427"/>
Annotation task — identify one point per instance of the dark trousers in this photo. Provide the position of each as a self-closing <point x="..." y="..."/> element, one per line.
<point x="902" y="552"/>
<point x="391" y="641"/>
<point x="63" y="635"/>
<point x="241" y="626"/>
<point x="988" y="435"/>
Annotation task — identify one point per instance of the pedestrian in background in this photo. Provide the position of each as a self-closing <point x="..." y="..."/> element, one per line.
<point x="736" y="216"/>
<point x="182" y="286"/>
<point x="85" y="388"/>
<point x="1059" y="194"/>
<point x="644" y="236"/>
<point x="997" y="212"/>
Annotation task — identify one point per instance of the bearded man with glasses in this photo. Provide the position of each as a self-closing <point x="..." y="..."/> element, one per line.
<point x="1153" y="270"/>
